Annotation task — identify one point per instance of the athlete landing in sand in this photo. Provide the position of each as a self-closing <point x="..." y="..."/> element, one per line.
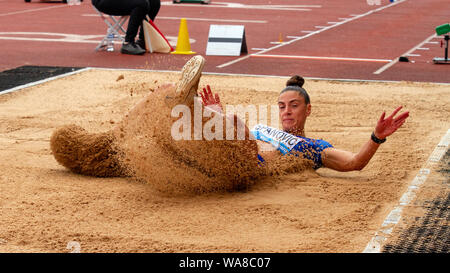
<point x="229" y="162"/>
<point x="120" y="151"/>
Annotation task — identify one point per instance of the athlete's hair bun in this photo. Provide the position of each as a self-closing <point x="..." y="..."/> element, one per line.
<point x="296" y="81"/>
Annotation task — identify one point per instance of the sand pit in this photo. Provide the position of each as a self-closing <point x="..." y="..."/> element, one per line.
<point x="44" y="206"/>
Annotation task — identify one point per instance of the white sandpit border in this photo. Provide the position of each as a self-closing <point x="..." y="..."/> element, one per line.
<point x="376" y="243"/>
<point x="205" y="73"/>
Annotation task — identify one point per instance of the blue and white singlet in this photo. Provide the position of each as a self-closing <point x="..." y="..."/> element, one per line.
<point x="290" y="144"/>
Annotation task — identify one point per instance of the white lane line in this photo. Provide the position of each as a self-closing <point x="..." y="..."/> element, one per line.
<point x="52" y="40"/>
<point x="383" y="68"/>
<point x="377" y="241"/>
<point x="307" y="31"/>
<point x="32" y="10"/>
<point x="214" y="19"/>
<point x="245" y="6"/>
<point x="288" y="6"/>
<point x="313" y="33"/>
<point x="63" y="37"/>
<point x="197" y="19"/>
<point x="44" y="37"/>
<point x="423" y="48"/>
<point x="320" y="58"/>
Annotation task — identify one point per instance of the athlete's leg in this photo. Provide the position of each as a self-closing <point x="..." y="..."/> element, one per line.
<point x="225" y="164"/>
<point x="101" y="154"/>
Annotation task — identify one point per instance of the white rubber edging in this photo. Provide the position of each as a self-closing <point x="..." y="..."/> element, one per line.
<point x="205" y="73"/>
<point x="264" y="76"/>
<point x="376" y="243"/>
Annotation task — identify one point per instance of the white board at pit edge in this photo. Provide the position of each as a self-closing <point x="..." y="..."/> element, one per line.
<point x="226" y="40"/>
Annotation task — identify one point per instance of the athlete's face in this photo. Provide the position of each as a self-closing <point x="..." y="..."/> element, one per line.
<point x="293" y="111"/>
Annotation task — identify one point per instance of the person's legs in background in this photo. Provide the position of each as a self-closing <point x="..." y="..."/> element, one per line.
<point x="153" y="10"/>
<point x="137" y="9"/>
<point x="155" y="5"/>
<point x="137" y="15"/>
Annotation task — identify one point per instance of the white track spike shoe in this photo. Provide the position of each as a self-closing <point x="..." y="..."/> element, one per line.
<point x="186" y="88"/>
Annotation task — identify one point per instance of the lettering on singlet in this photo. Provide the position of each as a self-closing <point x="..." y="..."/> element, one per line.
<point x="290" y="144"/>
<point x="281" y="140"/>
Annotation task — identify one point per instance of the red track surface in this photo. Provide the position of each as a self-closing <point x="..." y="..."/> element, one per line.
<point x="386" y="31"/>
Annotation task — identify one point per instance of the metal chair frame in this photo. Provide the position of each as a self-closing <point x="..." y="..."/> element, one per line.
<point x="115" y="27"/>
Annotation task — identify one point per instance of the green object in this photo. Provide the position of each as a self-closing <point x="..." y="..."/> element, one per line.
<point x="443" y="29"/>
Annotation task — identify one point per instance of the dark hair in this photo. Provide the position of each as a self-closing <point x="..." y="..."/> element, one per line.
<point x="295" y="83"/>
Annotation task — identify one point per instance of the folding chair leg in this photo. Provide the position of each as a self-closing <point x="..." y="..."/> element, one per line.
<point x="115" y="27"/>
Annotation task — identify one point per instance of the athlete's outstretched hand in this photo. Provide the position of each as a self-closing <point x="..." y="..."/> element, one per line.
<point x="387" y="126"/>
<point x="210" y="100"/>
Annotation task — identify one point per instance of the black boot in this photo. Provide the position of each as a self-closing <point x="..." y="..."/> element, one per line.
<point x="132" y="49"/>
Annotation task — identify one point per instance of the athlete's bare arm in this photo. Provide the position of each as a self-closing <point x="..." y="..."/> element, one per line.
<point x="343" y="161"/>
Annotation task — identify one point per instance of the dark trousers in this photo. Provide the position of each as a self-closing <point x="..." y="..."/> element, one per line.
<point x="137" y="9"/>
